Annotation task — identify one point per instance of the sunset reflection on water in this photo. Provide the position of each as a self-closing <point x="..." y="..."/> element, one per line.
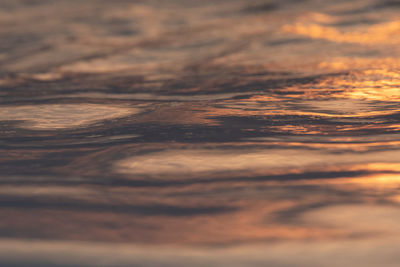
<point x="224" y="133"/>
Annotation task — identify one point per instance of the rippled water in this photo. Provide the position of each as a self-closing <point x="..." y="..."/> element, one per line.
<point x="199" y="133"/>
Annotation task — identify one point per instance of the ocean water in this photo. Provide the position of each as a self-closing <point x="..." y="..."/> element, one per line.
<point x="199" y="133"/>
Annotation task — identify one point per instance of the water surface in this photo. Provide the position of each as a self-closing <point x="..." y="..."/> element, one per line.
<point x="187" y="133"/>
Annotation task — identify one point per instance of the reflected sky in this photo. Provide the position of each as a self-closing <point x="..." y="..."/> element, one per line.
<point x="57" y="116"/>
<point x="220" y="133"/>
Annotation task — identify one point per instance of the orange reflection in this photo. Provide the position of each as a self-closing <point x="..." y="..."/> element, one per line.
<point x="372" y="84"/>
<point x="384" y="33"/>
<point x="388" y="64"/>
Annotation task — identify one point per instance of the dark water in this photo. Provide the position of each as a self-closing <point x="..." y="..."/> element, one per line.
<point x="199" y="133"/>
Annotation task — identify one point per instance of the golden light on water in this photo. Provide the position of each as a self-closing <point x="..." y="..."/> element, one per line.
<point x="384" y="33"/>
